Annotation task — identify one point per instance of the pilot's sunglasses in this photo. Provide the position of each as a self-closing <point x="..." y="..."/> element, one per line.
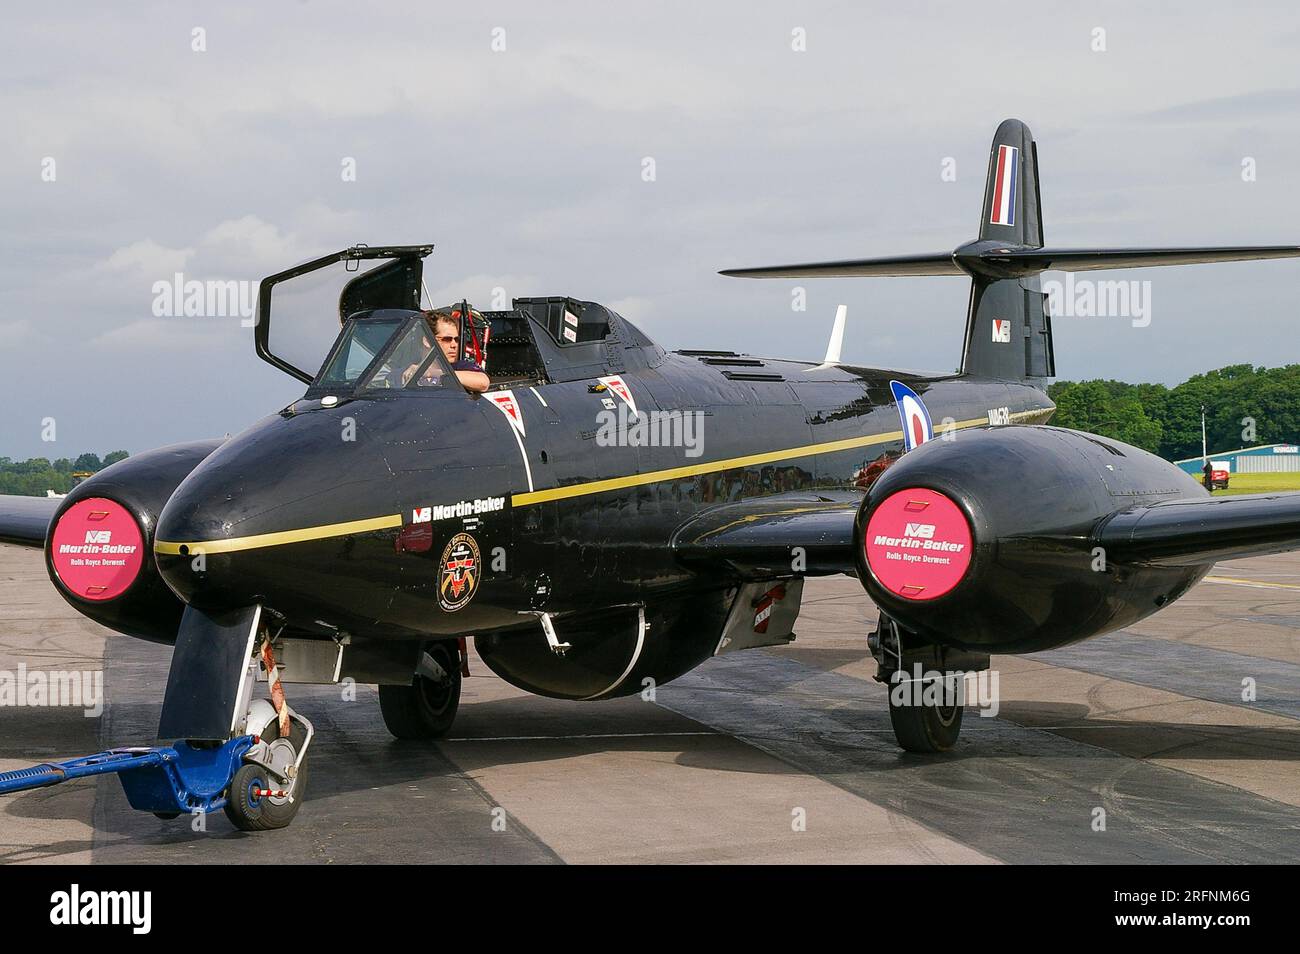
<point x="448" y="339"/>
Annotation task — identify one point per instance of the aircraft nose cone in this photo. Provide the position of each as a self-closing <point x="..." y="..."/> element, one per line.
<point x="265" y="517"/>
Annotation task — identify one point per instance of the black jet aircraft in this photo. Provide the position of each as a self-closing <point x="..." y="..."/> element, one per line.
<point x="610" y="514"/>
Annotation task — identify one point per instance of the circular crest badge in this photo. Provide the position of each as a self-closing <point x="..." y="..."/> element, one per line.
<point x="458" y="573"/>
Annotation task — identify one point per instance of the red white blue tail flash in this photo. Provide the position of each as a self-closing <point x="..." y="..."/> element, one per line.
<point x="916" y="419"/>
<point x="1003" y="211"/>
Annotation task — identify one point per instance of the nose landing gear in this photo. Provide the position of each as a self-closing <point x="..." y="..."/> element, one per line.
<point x="241" y="755"/>
<point x="258" y="781"/>
<point x="267" y="790"/>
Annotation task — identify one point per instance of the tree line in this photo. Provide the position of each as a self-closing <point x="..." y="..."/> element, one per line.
<point x="1244" y="406"/>
<point x="33" y="477"/>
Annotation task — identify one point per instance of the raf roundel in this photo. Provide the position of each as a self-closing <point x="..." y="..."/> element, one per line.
<point x="915" y="419"/>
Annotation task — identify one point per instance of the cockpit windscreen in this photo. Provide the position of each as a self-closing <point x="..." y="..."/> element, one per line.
<point x="361" y="341"/>
<point x="413" y="362"/>
<point x="377" y="353"/>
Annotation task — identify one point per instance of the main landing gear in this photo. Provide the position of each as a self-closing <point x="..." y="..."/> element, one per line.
<point x="927" y="686"/>
<point x="426" y="708"/>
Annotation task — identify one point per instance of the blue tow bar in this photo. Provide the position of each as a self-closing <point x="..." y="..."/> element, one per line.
<point x="165" y="779"/>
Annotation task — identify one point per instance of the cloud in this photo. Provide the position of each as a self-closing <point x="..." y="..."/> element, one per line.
<point x="1269" y="104"/>
<point x="146" y="256"/>
<point x="254" y="241"/>
<point x="524" y="166"/>
<point x="20" y="332"/>
<point x="635" y="309"/>
<point x="169" y="335"/>
<point x="229" y="246"/>
<point x="485" y="292"/>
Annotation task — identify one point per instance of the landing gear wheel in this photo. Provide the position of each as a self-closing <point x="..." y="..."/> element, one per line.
<point x="247" y="809"/>
<point x="925" y="728"/>
<point x="425" y="709"/>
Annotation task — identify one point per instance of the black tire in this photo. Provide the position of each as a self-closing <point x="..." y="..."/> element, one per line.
<point x="249" y="813"/>
<point x="424" y="709"/>
<point x="925" y="728"/>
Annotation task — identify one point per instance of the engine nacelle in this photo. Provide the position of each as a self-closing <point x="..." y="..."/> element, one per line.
<point x="99" y="549"/>
<point x="986" y="541"/>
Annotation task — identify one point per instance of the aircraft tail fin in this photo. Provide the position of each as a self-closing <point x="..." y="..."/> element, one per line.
<point x="1013" y="211"/>
<point x="1008" y="326"/>
<point x="1008" y="329"/>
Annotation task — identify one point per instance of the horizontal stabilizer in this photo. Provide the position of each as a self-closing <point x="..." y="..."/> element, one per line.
<point x="1003" y="261"/>
<point x="902" y="266"/>
<point x="1031" y="260"/>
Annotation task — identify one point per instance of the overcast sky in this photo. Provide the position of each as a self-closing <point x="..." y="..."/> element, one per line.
<point x="525" y="166"/>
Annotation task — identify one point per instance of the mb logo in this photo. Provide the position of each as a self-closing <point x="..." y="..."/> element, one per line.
<point x="923" y="530"/>
<point x="99" y="536"/>
<point x="1001" y="331"/>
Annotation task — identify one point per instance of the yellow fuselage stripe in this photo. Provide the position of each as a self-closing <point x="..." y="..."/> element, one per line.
<point x="231" y="544"/>
<point x="694" y="470"/>
<point x="392" y="521"/>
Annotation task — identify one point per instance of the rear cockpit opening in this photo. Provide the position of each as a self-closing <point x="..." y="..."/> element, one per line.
<point x="540" y="339"/>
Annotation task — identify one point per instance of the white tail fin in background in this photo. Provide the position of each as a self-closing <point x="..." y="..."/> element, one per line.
<point x="836" y="344"/>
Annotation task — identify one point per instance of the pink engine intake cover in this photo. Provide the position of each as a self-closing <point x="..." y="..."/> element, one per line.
<point x="918" y="544"/>
<point x="97" y="549"/>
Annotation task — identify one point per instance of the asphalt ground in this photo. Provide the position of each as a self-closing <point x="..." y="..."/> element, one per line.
<point x="769" y="756"/>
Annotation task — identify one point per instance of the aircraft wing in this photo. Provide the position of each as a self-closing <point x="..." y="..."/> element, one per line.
<point x="764" y="537"/>
<point x="1197" y="532"/>
<point x="24" y="520"/>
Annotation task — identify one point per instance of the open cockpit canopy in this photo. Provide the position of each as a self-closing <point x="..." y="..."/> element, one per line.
<point x="535" y="341"/>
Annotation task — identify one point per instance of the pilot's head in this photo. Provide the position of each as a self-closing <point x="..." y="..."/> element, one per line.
<point x="447" y="330"/>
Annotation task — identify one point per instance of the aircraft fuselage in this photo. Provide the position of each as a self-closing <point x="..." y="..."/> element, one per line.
<point x="339" y="518"/>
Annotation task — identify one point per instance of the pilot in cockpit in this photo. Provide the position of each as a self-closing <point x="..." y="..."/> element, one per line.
<point x="447" y="331"/>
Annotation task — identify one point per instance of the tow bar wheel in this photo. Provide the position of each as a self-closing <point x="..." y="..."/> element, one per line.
<point x="257" y="800"/>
